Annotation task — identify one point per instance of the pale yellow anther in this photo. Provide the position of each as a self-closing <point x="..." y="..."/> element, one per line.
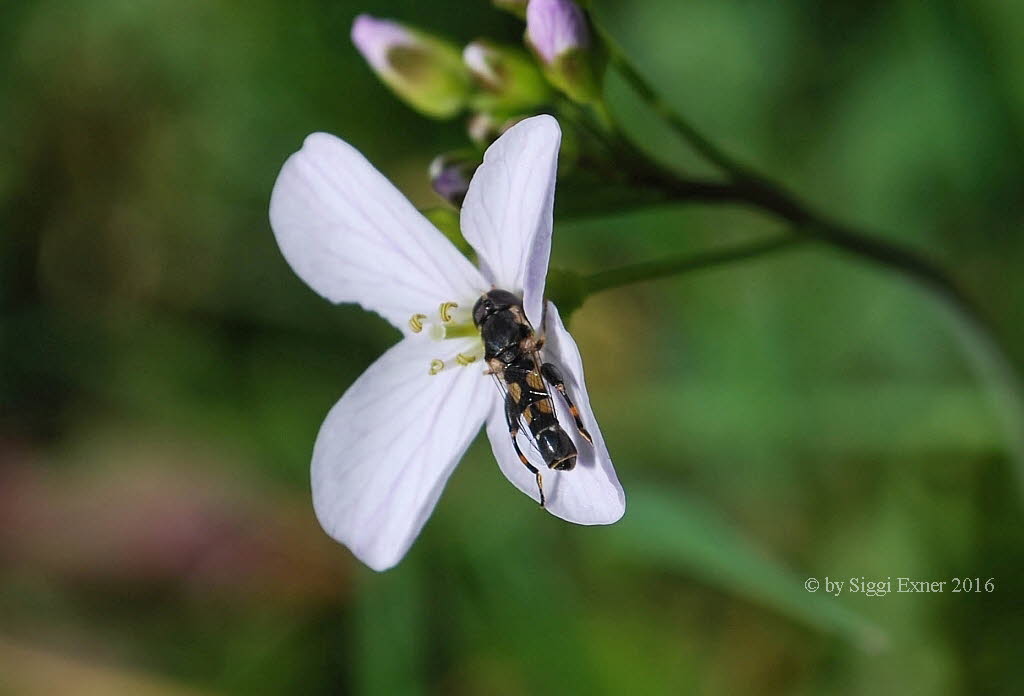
<point x="416" y="322"/>
<point x="464" y="360"/>
<point x="436" y="366"/>
<point x="445" y="310"/>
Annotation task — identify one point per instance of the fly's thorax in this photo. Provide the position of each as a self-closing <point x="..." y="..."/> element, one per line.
<point x="502" y="333"/>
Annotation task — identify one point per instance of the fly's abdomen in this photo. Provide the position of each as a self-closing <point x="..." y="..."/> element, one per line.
<point x="527" y="388"/>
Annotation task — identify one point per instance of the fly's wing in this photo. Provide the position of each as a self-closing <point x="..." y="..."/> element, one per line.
<point x="590" y="493"/>
<point x="522" y="426"/>
<point x="502" y="385"/>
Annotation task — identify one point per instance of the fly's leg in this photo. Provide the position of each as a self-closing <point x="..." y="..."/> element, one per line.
<point x="554" y="377"/>
<point x="512" y="416"/>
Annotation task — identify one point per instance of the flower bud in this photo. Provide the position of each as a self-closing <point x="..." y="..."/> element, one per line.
<point x="557" y="32"/>
<point x="509" y="80"/>
<point x="450" y="174"/>
<point x="425" y="71"/>
<point x="483" y="129"/>
<point x="516" y="7"/>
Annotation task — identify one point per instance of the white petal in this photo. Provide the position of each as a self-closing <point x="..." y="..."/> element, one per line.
<point x="353" y="237"/>
<point x="388" y="446"/>
<point x="507" y="212"/>
<point x="589" y="493"/>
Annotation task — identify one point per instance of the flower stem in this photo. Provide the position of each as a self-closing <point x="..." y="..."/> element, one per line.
<point x="989" y="357"/>
<point x="681" y="126"/>
<point x="682" y="263"/>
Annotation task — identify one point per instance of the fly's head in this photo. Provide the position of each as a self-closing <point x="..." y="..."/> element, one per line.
<point x="493" y="302"/>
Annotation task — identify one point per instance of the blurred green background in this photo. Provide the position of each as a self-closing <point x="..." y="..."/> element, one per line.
<point x="164" y="373"/>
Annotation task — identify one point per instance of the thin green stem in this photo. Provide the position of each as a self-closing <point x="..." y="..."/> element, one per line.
<point x="989" y="356"/>
<point x="603" y="116"/>
<point x="684" y="128"/>
<point x="683" y="263"/>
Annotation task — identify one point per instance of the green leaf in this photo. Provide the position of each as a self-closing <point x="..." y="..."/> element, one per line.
<point x="390" y="631"/>
<point x="678" y="532"/>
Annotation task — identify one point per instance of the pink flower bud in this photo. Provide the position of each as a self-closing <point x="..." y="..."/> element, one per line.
<point x="376" y="37"/>
<point x="555" y="27"/>
<point x="450" y="174"/>
<point x="424" y="70"/>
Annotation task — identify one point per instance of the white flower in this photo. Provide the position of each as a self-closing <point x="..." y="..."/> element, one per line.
<point x="386" y="449"/>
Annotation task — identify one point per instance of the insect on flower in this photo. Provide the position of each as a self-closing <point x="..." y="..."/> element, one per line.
<point x="512" y="352"/>
<point x="387" y="448"/>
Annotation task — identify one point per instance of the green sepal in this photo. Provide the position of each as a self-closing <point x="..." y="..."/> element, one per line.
<point x="520" y="87"/>
<point x="429" y="76"/>
<point x="576" y="74"/>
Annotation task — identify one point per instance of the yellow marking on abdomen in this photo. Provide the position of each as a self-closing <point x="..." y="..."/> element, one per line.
<point x="534" y="380"/>
<point x="516" y="391"/>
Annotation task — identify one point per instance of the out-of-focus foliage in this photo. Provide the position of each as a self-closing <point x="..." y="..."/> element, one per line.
<point x="163" y="373"/>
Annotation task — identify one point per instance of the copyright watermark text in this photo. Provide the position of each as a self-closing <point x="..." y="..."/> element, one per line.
<point x="880" y="587"/>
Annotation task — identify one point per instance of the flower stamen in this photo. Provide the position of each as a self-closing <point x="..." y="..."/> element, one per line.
<point x="449" y="322"/>
<point x="459" y="359"/>
<point x="445" y="310"/>
<point x="416" y="322"/>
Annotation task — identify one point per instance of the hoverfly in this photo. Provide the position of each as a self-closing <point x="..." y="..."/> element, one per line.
<point x="512" y="353"/>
